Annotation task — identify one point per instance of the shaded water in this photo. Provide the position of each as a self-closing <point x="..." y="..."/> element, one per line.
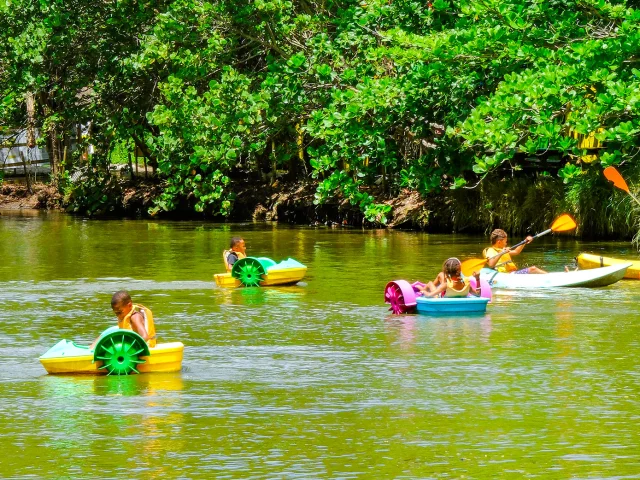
<point x="315" y="380"/>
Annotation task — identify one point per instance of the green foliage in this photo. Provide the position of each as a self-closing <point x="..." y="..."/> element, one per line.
<point x="119" y="153"/>
<point x="597" y="207"/>
<point x="92" y="192"/>
<point x="367" y="97"/>
<point x="581" y="85"/>
<point x="570" y="172"/>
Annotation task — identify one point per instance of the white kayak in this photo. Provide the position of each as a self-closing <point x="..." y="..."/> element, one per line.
<point x="595" y="277"/>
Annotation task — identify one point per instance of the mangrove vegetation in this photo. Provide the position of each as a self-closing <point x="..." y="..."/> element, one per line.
<point x="491" y="111"/>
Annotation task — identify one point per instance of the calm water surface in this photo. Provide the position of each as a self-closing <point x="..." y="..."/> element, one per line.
<point x="315" y="380"/>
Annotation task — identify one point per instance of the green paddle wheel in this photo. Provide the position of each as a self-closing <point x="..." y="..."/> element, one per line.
<point x="249" y="271"/>
<point x="120" y="351"/>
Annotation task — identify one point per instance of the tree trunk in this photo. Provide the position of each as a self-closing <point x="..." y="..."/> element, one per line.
<point x="52" y="141"/>
<point x="26" y="172"/>
<point x="54" y="155"/>
<point x="274" y="162"/>
<point x="130" y="164"/>
<point x="144" y="149"/>
<point x="31" y="120"/>
<point x="297" y="163"/>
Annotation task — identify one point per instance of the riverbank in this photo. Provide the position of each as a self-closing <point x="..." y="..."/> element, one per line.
<point x="522" y="205"/>
<point x="281" y="202"/>
<point x="39" y="196"/>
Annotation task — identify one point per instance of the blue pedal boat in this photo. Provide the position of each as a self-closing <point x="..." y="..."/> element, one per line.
<point x="404" y="297"/>
<point x="451" y="306"/>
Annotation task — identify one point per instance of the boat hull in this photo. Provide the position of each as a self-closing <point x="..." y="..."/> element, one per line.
<point x="598" y="277"/>
<point x="588" y="261"/>
<point x="273" y="277"/>
<point x="287" y="272"/>
<point x="451" y="306"/>
<point x="68" y="358"/>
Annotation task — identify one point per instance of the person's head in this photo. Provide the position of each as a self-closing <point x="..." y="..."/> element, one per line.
<point x="121" y="304"/>
<point x="498" y="235"/>
<point x="451" y="267"/>
<point x="237" y="245"/>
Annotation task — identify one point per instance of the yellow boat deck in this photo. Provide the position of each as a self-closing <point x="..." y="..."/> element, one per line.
<point x="165" y="357"/>
<point x="286" y="276"/>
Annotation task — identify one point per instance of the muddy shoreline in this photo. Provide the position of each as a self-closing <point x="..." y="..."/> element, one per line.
<point x="518" y="207"/>
<point x="282" y="202"/>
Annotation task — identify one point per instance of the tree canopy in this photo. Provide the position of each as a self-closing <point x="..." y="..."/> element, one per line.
<point x="362" y="95"/>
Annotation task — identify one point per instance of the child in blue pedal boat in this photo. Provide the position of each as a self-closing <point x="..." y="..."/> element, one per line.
<point x="451" y="282"/>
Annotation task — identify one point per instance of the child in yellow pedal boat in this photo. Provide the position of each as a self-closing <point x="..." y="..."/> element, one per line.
<point x="133" y="316"/>
<point x="498" y="255"/>
<point x="451" y="281"/>
<point x="237" y="250"/>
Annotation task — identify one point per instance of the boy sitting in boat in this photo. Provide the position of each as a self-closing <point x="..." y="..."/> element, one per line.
<point x="237" y="250"/>
<point x="133" y="316"/>
<point x="451" y="281"/>
<point x="498" y="255"/>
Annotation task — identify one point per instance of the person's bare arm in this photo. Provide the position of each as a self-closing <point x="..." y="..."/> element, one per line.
<point x="437" y="291"/>
<point x="439" y="280"/>
<point x="476" y="290"/>
<point x="518" y="249"/>
<point x="137" y="324"/>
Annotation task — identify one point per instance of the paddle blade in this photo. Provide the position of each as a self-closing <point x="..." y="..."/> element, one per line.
<point x="614" y="176"/>
<point x="469" y="267"/>
<point x="563" y="223"/>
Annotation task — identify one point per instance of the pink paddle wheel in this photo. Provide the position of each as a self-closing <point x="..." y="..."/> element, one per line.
<point x="401" y="296"/>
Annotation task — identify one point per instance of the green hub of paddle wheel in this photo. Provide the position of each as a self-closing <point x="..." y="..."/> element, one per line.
<point x="120" y="352"/>
<point x="249" y="271"/>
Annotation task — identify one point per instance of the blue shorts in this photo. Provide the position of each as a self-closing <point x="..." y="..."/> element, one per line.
<point x="521" y="271"/>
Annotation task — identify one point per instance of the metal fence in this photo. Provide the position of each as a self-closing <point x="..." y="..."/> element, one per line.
<point x="16" y="158"/>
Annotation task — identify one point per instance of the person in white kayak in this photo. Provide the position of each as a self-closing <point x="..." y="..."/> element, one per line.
<point x="498" y="255"/>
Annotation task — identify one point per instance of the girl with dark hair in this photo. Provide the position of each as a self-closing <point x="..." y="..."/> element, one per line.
<point x="450" y="282"/>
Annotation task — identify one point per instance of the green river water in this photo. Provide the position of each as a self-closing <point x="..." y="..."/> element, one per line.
<point x="316" y="380"/>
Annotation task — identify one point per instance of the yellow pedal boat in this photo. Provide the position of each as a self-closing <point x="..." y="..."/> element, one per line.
<point x="117" y="352"/>
<point x="262" y="271"/>
<point x="588" y="260"/>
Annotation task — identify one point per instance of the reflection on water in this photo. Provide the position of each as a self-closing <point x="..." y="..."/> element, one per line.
<point x="316" y="380"/>
<point x="258" y="295"/>
<point x="63" y="386"/>
<point x="402" y="331"/>
<point x="127" y="416"/>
